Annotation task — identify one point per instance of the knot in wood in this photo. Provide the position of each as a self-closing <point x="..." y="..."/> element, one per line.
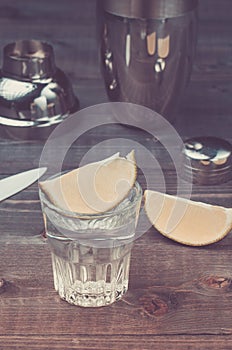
<point x="216" y="282"/>
<point x="153" y="305"/>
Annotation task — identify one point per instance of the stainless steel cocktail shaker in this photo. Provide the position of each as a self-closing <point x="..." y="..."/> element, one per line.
<point x="35" y="95"/>
<point x="147" y="49"/>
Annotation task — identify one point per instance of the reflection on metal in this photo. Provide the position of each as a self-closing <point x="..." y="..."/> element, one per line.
<point x="113" y="84"/>
<point x="151" y="43"/>
<point x="108" y="64"/>
<point x="150" y="57"/>
<point x="11" y="89"/>
<point x="34" y="93"/>
<point x="128" y="49"/>
<point x="159" y="65"/>
<point x="149" y="9"/>
<point x="164" y="46"/>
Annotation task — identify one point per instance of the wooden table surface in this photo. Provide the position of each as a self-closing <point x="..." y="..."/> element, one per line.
<point x="179" y="297"/>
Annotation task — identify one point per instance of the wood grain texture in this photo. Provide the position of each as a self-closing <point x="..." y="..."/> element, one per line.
<point x="166" y="295"/>
<point x="179" y="297"/>
<point x="117" y="342"/>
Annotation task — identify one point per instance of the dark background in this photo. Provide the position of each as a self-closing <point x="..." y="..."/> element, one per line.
<point x="70" y="26"/>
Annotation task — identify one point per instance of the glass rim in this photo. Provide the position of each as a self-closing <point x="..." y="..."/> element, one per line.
<point x="77" y="215"/>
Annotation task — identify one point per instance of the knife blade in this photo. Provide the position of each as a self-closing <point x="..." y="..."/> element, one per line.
<point x="18" y="182"/>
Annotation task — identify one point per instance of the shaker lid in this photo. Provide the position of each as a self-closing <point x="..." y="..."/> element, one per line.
<point x="35" y="95"/>
<point x="156" y="9"/>
<point x="207" y="160"/>
<point x="28" y="60"/>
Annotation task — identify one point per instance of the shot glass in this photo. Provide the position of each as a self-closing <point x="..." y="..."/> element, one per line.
<point x="91" y="253"/>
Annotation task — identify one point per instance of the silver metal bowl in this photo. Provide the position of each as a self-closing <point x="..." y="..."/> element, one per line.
<point x="35" y="95"/>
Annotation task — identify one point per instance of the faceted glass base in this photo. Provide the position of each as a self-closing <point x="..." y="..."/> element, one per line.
<point x="91" y="285"/>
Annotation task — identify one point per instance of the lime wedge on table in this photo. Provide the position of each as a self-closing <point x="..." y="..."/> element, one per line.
<point x="186" y="221"/>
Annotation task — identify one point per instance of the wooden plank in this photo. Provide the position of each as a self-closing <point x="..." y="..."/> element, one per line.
<point x="17" y="156"/>
<point x="117" y="342"/>
<point x="181" y="290"/>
